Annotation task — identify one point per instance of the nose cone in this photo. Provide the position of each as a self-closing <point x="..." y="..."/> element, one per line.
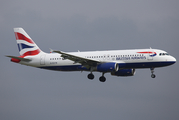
<point x="172" y="60"/>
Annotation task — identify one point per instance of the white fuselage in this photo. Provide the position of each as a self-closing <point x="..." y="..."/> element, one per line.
<point x="137" y="58"/>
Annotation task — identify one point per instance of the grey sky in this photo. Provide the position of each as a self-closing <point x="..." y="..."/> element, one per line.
<point x="68" y="25"/>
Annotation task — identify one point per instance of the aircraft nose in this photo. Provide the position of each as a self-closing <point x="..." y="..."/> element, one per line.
<point x="172" y="59"/>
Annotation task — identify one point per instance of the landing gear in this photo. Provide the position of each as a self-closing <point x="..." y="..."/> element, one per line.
<point x="90" y="76"/>
<point x="153" y="75"/>
<point x="152" y="71"/>
<point x="102" y="78"/>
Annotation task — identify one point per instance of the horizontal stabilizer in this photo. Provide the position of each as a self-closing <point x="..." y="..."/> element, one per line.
<point x="19" y="58"/>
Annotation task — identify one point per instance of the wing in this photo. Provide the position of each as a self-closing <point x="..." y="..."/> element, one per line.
<point x="77" y="59"/>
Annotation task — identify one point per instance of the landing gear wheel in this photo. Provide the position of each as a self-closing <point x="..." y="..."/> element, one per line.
<point x="102" y="79"/>
<point x="90" y="76"/>
<point x="153" y="76"/>
<point x="152" y="71"/>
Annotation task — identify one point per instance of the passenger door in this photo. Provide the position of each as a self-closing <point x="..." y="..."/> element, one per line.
<point x="42" y="60"/>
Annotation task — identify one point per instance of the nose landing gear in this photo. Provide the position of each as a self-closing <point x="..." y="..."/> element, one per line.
<point x="152" y="71"/>
<point x="153" y="76"/>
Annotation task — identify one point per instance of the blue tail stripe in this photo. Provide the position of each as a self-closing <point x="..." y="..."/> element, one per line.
<point x="19" y="47"/>
<point x="23" y="46"/>
<point x="26" y="46"/>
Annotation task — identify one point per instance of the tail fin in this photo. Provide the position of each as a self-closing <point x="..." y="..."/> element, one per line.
<point x="26" y="45"/>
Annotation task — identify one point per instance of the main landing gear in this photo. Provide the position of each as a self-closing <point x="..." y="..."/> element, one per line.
<point x="152" y="71"/>
<point x="90" y="76"/>
<point x="101" y="79"/>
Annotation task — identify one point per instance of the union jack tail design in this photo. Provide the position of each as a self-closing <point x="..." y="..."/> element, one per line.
<point x="26" y="45"/>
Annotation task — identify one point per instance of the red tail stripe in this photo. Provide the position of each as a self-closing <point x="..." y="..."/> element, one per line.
<point x="20" y="36"/>
<point x="31" y="53"/>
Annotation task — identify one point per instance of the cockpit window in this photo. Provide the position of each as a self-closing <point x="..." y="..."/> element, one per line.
<point x="162" y="54"/>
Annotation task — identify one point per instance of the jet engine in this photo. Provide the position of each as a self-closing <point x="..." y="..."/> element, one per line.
<point x="107" y="67"/>
<point x="124" y="72"/>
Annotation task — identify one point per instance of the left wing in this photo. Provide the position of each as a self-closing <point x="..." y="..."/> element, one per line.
<point x="77" y="59"/>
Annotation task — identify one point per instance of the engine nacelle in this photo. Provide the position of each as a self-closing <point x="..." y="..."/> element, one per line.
<point x="124" y="72"/>
<point x="107" y="67"/>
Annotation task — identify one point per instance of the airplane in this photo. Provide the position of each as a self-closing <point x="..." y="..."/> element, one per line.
<point x="116" y="62"/>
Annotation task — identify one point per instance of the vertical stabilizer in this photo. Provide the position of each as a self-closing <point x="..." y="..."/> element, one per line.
<point x="26" y="45"/>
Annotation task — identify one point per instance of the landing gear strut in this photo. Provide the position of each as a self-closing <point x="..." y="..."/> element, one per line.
<point x="152" y="71"/>
<point x="91" y="76"/>
<point x="102" y="78"/>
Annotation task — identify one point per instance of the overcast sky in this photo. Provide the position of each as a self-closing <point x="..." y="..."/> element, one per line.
<point x="28" y="93"/>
